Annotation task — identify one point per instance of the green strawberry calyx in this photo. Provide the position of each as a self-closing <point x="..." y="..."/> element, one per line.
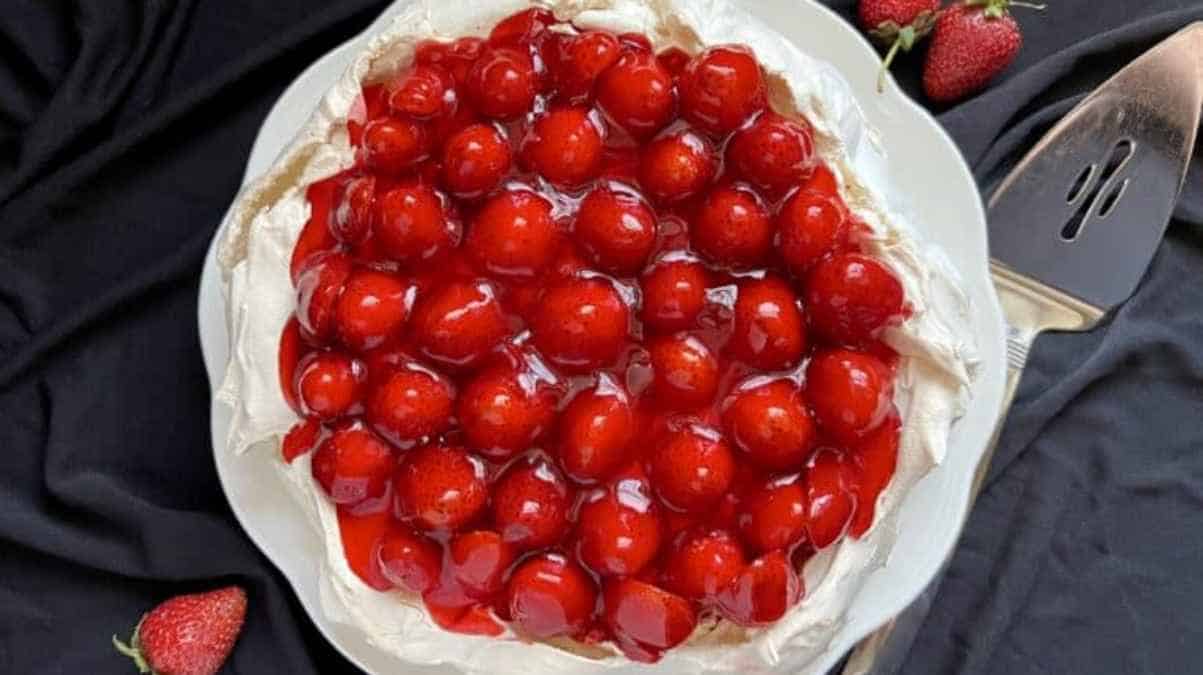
<point x="134" y="650"/>
<point x="900" y="39"/>
<point x="996" y="9"/>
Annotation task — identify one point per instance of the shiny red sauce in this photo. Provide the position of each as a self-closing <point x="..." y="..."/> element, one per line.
<point x="668" y="402"/>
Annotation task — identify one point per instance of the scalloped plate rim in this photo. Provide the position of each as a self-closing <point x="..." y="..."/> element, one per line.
<point x="892" y="107"/>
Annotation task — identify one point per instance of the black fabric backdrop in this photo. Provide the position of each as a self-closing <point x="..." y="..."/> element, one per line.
<point x="124" y="130"/>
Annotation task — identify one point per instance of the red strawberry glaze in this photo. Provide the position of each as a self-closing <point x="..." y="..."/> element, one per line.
<point x="702" y="561"/>
<point x="721" y="88"/>
<point x="361" y="533"/>
<point x="763" y="592"/>
<point x="410" y="405"/>
<point x="393" y="144"/>
<point x="301" y="438"/>
<point x="373" y="308"/>
<point x="513" y="234"/>
<point x="458" y="324"/>
<point x="372" y="105"/>
<point x="829" y="497"/>
<point x="292" y="347"/>
<point x="674" y="294"/>
<point x="477" y="561"/>
<point x="351" y="220"/>
<point x="475" y="159"/>
<point x="851" y="297"/>
<point x="330" y="385"/>
<point x="850" y="391"/>
<point x="581" y="324"/>
<point x="531" y="504"/>
<point x="769" y="331"/>
<point x="318" y="289"/>
<point x="810" y="225"/>
<point x="353" y="465"/>
<point x="771" y="422"/>
<point x="637" y="94"/>
<point x="422" y="92"/>
<point x="619" y="526"/>
<point x="502" y="83"/>
<point x="684" y="371"/>
<point x="569" y="334"/>
<point x="646" y="619"/>
<point x="409" y="560"/>
<point x="440" y="487"/>
<point x="582" y="59"/>
<point x="692" y="468"/>
<point x="773" y="153"/>
<point x="595" y="430"/>
<point x="773" y="516"/>
<point x="503" y="410"/>
<point x="549" y="595"/>
<point x="731" y="228"/>
<point x="455" y="58"/>
<point x="674" y="60"/>
<point x="413" y="223"/>
<point x="616" y="229"/>
<point x="821" y="180"/>
<point x="564" y="146"/>
<point x="875" y="457"/>
<point x="521" y="28"/>
<point x="677" y="165"/>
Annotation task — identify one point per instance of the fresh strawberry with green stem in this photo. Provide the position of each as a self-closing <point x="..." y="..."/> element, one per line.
<point x="898" y="24"/>
<point x="188" y="634"/>
<point x="971" y="44"/>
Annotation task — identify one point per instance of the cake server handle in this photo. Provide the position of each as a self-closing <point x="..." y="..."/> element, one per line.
<point x="1030" y="308"/>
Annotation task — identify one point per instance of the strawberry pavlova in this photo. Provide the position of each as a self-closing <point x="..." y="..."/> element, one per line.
<point x="513" y="248"/>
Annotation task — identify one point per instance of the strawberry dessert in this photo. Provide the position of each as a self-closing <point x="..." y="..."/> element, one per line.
<point x="592" y="340"/>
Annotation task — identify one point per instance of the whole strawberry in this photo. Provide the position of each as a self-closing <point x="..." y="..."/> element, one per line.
<point x="188" y="634"/>
<point x="972" y="43"/>
<point x="898" y="25"/>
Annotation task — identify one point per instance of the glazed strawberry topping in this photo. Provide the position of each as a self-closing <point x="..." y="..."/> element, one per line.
<point x="637" y="94"/>
<point x="531" y="504"/>
<point x="772" y="423"/>
<point x="810" y="225"/>
<point x="616" y="229"/>
<point x="702" y="562"/>
<point x="564" y="146"/>
<point x="330" y="385"/>
<point x="595" y="431"/>
<point x="409" y="560"/>
<point x="587" y="340"/>
<point x="721" y="88"/>
<point x="685" y="371"/>
<point x="619" y="526"/>
<point x="774" y="153"/>
<point x="549" y="595"/>
<point x="763" y="591"/>
<point x="504" y="410"/>
<point x="674" y="294"/>
<point x="513" y="234"/>
<point x="475" y="160"/>
<point x="371" y="309"/>
<point x="646" y="619"/>
<point x="692" y="468"/>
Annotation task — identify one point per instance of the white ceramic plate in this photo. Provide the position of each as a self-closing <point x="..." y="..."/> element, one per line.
<point x="943" y="192"/>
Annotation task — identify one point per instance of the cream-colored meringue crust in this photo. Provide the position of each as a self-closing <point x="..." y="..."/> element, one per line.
<point x="938" y="355"/>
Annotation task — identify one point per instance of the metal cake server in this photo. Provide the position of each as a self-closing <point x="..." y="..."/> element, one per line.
<point x="1072" y="230"/>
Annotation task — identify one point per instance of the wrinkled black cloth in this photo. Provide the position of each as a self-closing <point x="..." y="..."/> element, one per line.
<point x="125" y="126"/>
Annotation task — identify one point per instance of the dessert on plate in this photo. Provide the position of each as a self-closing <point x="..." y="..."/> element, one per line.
<point x="587" y="331"/>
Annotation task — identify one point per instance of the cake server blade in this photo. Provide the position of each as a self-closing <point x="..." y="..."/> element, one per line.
<point x="1084" y="211"/>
